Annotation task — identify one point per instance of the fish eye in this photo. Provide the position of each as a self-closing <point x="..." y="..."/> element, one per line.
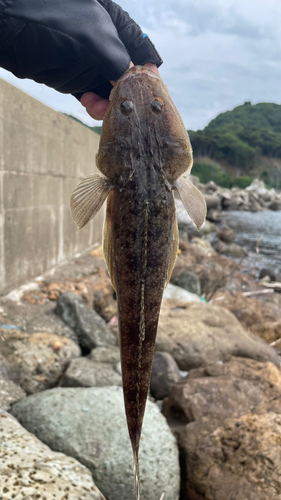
<point x="126" y="107"/>
<point x="157" y="106"/>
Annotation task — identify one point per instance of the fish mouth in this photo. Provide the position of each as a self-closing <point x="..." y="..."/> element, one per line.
<point x="136" y="71"/>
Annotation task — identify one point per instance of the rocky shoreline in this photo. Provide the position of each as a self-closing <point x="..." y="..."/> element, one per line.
<point x="212" y="429"/>
<point x="254" y="198"/>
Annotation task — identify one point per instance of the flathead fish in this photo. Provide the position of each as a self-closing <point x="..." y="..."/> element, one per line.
<point x="143" y="153"/>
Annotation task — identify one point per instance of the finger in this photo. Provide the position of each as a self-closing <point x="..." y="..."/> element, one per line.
<point x="89" y="99"/>
<point x="95" y="105"/>
<point x="97" y="111"/>
<point x="153" y="68"/>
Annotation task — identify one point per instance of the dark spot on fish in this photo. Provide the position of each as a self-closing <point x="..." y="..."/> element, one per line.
<point x="126" y="107"/>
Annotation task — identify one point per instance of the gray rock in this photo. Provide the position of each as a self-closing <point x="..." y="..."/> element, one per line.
<point x="105" y="354"/>
<point x="36" y="361"/>
<point x="207" y="228"/>
<point x="165" y="373"/>
<point x="178" y="293"/>
<point x="226" y="234"/>
<point x="9" y="392"/>
<point x="30" y="470"/>
<point x="35" y="318"/>
<point x="212" y="201"/>
<point x="90" y="425"/>
<point x="189" y="281"/>
<point x="82" y="372"/>
<point x="88" y="325"/>
<point x="234" y="250"/>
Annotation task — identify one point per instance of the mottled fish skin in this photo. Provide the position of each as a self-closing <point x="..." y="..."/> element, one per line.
<point x="144" y="150"/>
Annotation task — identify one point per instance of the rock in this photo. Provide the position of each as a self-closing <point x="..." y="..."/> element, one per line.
<point x="213" y="215"/>
<point x="9" y="391"/>
<point x="89" y="327"/>
<point x="204" y="244"/>
<point x="30" y="470"/>
<point x="257" y="186"/>
<point x="258" y="318"/>
<point x="275" y="205"/>
<point x="189" y="281"/>
<point x="222" y="457"/>
<point x="234" y="250"/>
<point x="226" y="234"/>
<point x="212" y="201"/>
<point x="105" y="354"/>
<point x="241" y="459"/>
<point x="197" y="333"/>
<point x="267" y="272"/>
<point x="207" y="228"/>
<point x="82" y="372"/>
<point x="36" y="361"/>
<point x="165" y="373"/>
<point x="211" y="187"/>
<point x="221" y="390"/>
<point x="178" y="293"/>
<point x="230" y="249"/>
<point x="265" y="279"/>
<point x="89" y="424"/>
<point x="35" y="318"/>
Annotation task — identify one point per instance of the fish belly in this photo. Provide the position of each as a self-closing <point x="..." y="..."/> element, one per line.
<point x="141" y="234"/>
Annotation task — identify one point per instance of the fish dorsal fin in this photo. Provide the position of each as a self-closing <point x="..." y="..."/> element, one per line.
<point x="107" y="244"/>
<point x="88" y="197"/>
<point x="174" y="249"/>
<point x="193" y="201"/>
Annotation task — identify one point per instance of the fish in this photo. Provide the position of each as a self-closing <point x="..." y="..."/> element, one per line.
<point x="144" y="155"/>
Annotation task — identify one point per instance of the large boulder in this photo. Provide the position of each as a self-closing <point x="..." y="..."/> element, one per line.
<point x="227" y="417"/>
<point x="257" y="317"/>
<point x="90" y="425"/>
<point x="34" y="318"/>
<point x="30" y="470"/>
<point x="220" y="390"/>
<point x="241" y="459"/>
<point x="88" y="325"/>
<point x="36" y="361"/>
<point x="197" y="333"/>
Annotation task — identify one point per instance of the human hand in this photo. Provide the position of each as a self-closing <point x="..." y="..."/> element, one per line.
<point x="96" y="106"/>
<point x="76" y="53"/>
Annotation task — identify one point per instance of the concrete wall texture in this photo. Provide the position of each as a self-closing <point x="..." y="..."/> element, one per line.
<point x="43" y="155"/>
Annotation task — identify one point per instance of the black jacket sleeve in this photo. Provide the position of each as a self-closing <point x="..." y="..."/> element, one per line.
<point x="73" y="46"/>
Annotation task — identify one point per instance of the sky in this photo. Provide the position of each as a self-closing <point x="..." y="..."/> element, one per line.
<point x="217" y="54"/>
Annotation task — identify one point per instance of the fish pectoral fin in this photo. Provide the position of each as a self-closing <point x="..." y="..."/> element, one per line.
<point x="193" y="201"/>
<point x="174" y="249"/>
<point x="107" y="244"/>
<point x="88" y="197"/>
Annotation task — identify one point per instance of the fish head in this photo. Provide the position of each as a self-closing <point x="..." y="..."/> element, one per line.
<point x="143" y="122"/>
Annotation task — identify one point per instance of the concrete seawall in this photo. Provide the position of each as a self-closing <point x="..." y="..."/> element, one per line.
<point x="43" y="155"/>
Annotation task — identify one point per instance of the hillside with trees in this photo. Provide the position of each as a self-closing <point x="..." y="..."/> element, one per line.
<point x="241" y="143"/>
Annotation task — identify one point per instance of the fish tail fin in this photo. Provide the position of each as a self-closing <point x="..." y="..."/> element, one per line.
<point x="137" y="475"/>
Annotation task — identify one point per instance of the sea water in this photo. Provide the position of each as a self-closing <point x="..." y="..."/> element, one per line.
<point x="260" y="234"/>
